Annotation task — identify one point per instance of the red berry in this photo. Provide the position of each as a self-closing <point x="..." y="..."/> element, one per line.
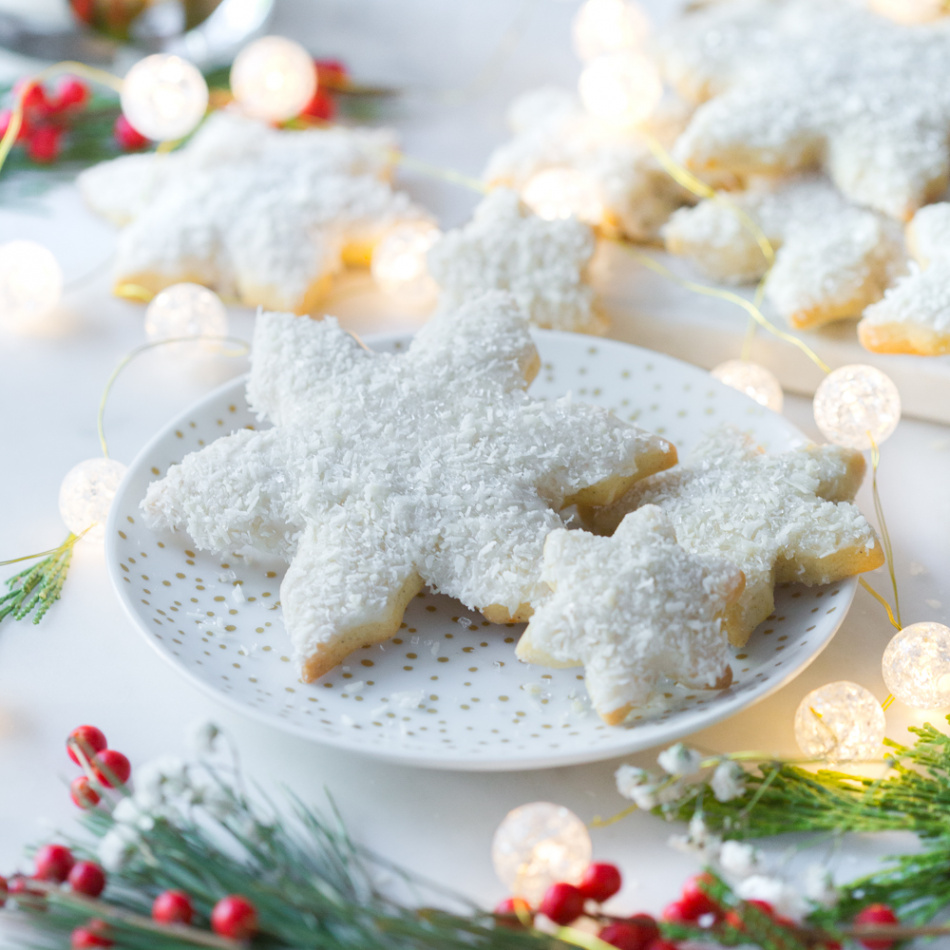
<point x="93" y="934"/>
<point x="733" y="920"/>
<point x="111" y="768"/>
<point x="88" y="739"/>
<point x="662" y="944"/>
<point x="33" y="96"/>
<point x="321" y="106"/>
<point x="876" y="914"/>
<point x="128" y="138"/>
<point x="44" y="144"/>
<point x="695" y="901"/>
<point x="3" y="891"/>
<point x="331" y="71"/>
<point x="677" y="912"/>
<point x="637" y="933"/>
<point x="71" y="93"/>
<point x="19" y="887"/>
<point x="25" y="130"/>
<point x="562" y="903"/>
<point x="53" y="862"/>
<point x="513" y="907"/>
<point x="600" y="882"/>
<point x="82" y="793"/>
<point x="173" y="907"/>
<point x="235" y="917"/>
<point x="763" y="906"/>
<point x="87" y="878"/>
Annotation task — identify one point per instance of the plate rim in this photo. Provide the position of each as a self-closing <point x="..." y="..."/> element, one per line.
<point x="443" y="760"/>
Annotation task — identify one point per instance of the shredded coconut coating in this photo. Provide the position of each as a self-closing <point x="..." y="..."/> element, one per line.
<point x="508" y="247"/>
<point x="387" y="471"/>
<point x="633" y="608"/>
<point x="797" y="83"/>
<point x="832" y="259"/>
<point x="779" y="518"/>
<point x="553" y="131"/>
<point x="121" y="189"/>
<point x="914" y="316"/>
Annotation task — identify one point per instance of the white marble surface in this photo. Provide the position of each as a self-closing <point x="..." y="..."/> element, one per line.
<point x="86" y="662"/>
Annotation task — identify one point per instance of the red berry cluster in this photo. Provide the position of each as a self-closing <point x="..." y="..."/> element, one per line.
<point x="564" y="903"/>
<point x="50" y="113"/>
<point x="331" y="75"/>
<point x="87" y="745"/>
<point x="233" y="916"/>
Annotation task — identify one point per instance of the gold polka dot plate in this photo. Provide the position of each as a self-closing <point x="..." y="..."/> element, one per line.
<point x="447" y="691"/>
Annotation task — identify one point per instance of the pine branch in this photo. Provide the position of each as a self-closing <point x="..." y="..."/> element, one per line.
<point x="35" y="589"/>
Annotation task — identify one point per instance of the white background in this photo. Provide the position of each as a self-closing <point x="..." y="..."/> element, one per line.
<point x="87" y="663"/>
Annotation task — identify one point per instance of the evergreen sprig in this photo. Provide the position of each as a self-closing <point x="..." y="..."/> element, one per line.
<point x="35" y="589"/>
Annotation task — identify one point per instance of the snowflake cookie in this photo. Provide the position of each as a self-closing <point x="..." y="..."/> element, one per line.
<point x="832" y="259"/>
<point x="798" y="83"/>
<point x="914" y="316"/>
<point x="780" y="518"/>
<point x="632" y="609"/>
<point x="508" y="247"/>
<point x="266" y="222"/>
<point x="384" y="472"/>
<point x="552" y="131"/>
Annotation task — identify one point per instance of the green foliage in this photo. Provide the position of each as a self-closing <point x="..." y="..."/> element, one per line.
<point x="35" y="589"/>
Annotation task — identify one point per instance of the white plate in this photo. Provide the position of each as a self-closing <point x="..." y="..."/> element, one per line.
<point x="448" y="691"/>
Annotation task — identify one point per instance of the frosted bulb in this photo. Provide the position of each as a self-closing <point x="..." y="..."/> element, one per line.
<point x="184" y="310"/>
<point x="620" y="88"/>
<point x="608" y="26"/>
<point x="840" y="722"/>
<point x="562" y="193"/>
<point x="273" y="78"/>
<point x="910" y="11"/>
<point x="31" y="283"/>
<point x="916" y="665"/>
<point x="86" y="495"/>
<point x="164" y="97"/>
<point x="753" y="380"/>
<point x="538" y="845"/>
<point x="857" y="406"/>
<point x="399" y="263"/>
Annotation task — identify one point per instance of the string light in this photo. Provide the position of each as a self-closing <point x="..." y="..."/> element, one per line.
<point x="563" y="193"/>
<point x="620" y="88"/>
<point x="840" y="722"/>
<point x="399" y="263"/>
<point x="164" y="97"/>
<point x="910" y="11"/>
<point x="184" y="310"/>
<point x="916" y="665"/>
<point x="31" y="283"/>
<point x="857" y="406"/>
<point x="608" y="26"/>
<point x="753" y="380"/>
<point x="273" y="78"/>
<point x="86" y="495"/>
<point x="538" y="845"/>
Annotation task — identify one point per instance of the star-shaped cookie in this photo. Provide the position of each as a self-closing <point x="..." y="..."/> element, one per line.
<point x="508" y="247"/>
<point x="914" y="316"/>
<point x="798" y="83"/>
<point x="632" y="609"/>
<point x="552" y="131"/>
<point x="832" y="259"/>
<point x="269" y="224"/>
<point x="780" y="518"/>
<point x="384" y="472"/>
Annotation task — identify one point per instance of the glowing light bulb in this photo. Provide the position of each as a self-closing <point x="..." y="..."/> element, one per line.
<point x="87" y="493"/>
<point x="753" y="380"/>
<point x="608" y="26"/>
<point x="184" y="310"/>
<point x="399" y="263"/>
<point x="273" y="78"/>
<point x="538" y="845"/>
<point x="840" y="722"/>
<point x="562" y="193"/>
<point x="910" y="11"/>
<point x="620" y="88"/>
<point x="857" y="406"/>
<point x="916" y="665"/>
<point x="31" y="283"/>
<point x="164" y="97"/>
